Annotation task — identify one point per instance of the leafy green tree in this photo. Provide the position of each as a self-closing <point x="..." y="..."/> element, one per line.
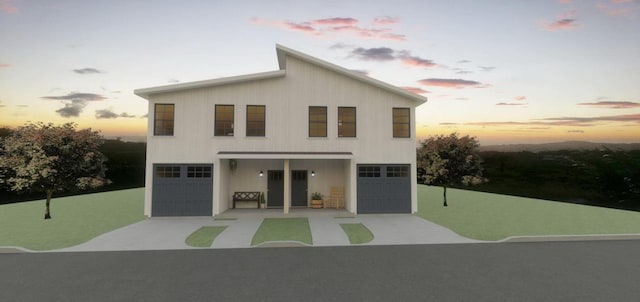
<point x="450" y="160"/>
<point x="46" y="158"/>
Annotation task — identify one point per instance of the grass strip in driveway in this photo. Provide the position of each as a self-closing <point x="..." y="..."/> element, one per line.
<point x="486" y="216"/>
<point x="357" y="233"/>
<point x="204" y="236"/>
<point x="283" y="229"/>
<point x="76" y="219"/>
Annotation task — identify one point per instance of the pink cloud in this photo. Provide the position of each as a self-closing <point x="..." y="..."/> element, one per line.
<point x="510" y="104"/>
<point x="406" y="58"/>
<point x="531" y="124"/>
<point x="386" y="20"/>
<point x="368" y="33"/>
<point x="3" y="65"/>
<point x="416" y="90"/>
<point x="614" y="10"/>
<point x="259" y="21"/>
<point x="612" y="105"/>
<point x="335" y="21"/>
<point x="520" y="98"/>
<point x="288" y="25"/>
<point x="634" y="118"/>
<point x="394" y="37"/>
<point x="450" y="83"/>
<point x="418" y="62"/>
<point x="562" y="24"/>
<point x="566" y="1"/>
<point x="8" y="6"/>
<point x="304" y="27"/>
<point x="620" y="1"/>
<point x="565" y="21"/>
<point x="345" y="28"/>
<point x="338" y="25"/>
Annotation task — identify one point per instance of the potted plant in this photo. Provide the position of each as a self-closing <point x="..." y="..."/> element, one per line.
<point x="263" y="203"/>
<point x="316" y="200"/>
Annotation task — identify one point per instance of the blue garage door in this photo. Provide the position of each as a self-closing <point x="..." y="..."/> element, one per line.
<point x="182" y="190"/>
<point x="384" y="189"/>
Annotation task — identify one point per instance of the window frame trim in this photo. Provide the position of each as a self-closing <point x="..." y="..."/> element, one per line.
<point x="326" y="121"/>
<point x="264" y="121"/>
<point x="355" y="122"/>
<point x="393" y="122"/>
<point x="215" y="120"/>
<point x="155" y="119"/>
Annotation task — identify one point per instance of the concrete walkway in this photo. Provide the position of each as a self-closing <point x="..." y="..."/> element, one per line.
<point x="170" y="233"/>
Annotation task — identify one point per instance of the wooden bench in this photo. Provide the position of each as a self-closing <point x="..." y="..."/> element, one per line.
<point x="246" y="196"/>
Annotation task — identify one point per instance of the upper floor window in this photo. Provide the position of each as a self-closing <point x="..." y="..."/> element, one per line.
<point x="317" y="121"/>
<point x="401" y="122"/>
<point x="224" y="120"/>
<point x="255" y="120"/>
<point x="346" y="121"/>
<point x="163" y="119"/>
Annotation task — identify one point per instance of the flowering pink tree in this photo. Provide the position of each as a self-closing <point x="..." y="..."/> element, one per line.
<point x="450" y="160"/>
<point x="46" y="158"/>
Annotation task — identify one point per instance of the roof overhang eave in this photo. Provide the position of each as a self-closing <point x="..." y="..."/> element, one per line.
<point x="283" y="155"/>
<point x="146" y="92"/>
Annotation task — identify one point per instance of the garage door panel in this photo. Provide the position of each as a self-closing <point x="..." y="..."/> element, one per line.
<point x="384" y="189"/>
<point x="182" y="190"/>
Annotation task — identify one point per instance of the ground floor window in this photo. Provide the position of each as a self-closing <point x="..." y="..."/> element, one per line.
<point x="199" y="171"/>
<point x="168" y="171"/>
<point x="369" y="171"/>
<point x="398" y="171"/>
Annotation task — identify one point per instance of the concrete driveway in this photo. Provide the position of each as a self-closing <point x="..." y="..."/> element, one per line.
<point x="170" y="233"/>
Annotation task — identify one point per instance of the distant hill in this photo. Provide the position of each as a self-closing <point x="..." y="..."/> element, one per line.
<point x="568" y="145"/>
<point x="132" y="138"/>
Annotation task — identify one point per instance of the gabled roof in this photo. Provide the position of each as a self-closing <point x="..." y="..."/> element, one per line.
<point x="282" y="62"/>
<point x="282" y="53"/>
<point x="145" y="92"/>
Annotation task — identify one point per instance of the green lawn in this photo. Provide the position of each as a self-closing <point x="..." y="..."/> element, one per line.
<point x="76" y="219"/>
<point x="204" y="236"/>
<point x="357" y="232"/>
<point x="283" y="229"/>
<point x="486" y="216"/>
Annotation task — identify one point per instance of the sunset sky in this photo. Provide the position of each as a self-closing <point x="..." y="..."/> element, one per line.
<point x="505" y="71"/>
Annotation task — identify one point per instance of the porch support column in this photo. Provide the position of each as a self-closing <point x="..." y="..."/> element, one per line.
<point x="287" y="186"/>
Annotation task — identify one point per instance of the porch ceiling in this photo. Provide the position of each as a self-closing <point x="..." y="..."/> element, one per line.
<point x="283" y="155"/>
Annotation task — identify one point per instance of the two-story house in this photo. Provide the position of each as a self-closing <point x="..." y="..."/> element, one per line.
<point x="307" y="127"/>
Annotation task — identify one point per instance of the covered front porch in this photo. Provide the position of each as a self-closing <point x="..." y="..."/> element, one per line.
<point x="284" y="181"/>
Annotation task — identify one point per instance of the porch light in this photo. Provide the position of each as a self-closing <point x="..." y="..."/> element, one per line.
<point x="313" y="173"/>
<point x="261" y="173"/>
